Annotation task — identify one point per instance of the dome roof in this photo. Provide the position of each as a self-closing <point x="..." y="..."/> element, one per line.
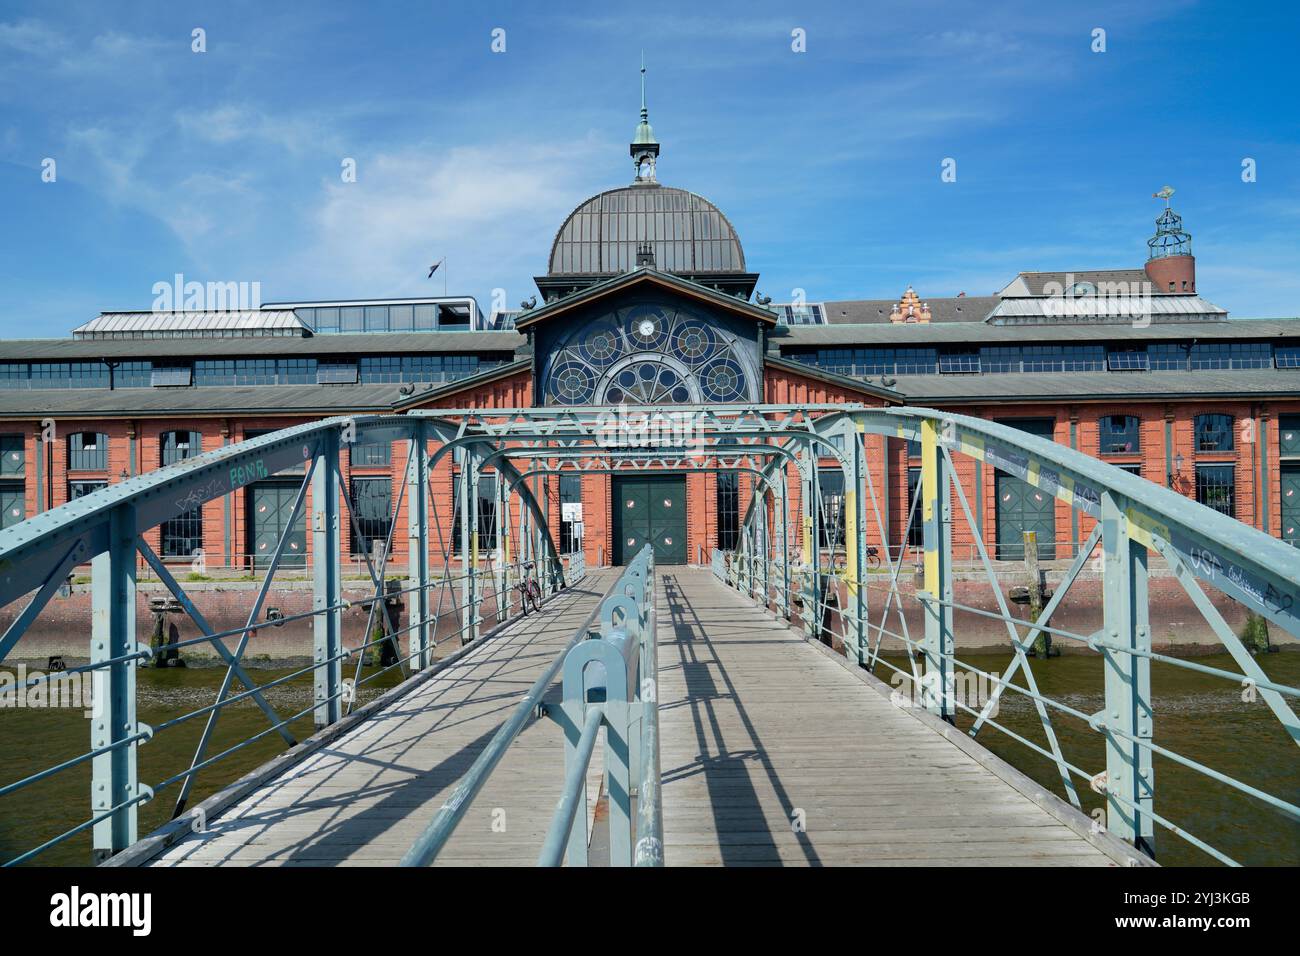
<point x="687" y="234"/>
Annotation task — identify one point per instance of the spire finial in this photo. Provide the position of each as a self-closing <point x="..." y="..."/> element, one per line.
<point x="644" y="148"/>
<point x="645" y="115"/>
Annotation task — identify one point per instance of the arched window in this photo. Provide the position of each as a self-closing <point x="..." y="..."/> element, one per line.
<point x="1214" y="433"/>
<point x="651" y="353"/>
<point x="1119" y="434"/>
<point x="88" y="451"/>
<point x="176" y="446"/>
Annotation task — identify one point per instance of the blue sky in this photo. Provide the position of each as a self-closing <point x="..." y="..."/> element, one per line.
<point x="225" y="165"/>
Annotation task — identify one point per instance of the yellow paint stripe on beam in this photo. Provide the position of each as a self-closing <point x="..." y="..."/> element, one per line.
<point x="1065" y="489"/>
<point x="929" y="499"/>
<point x="1142" y="528"/>
<point x="973" y="446"/>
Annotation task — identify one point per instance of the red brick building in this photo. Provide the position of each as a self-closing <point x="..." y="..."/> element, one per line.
<point x="648" y="299"/>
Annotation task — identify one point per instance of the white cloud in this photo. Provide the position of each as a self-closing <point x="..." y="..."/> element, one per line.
<point x="236" y="122"/>
<point x="62" y="51"/>
<point x="492" y="209"/>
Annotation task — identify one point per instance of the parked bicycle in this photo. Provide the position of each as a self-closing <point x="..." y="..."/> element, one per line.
<point x="839" y="559"/>
<point x="530" y="591"/>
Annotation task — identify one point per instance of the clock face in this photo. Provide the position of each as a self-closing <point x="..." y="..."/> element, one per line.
<point x="646" y="327"/>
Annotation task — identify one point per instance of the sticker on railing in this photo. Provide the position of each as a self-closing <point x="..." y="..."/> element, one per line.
<point x="1231" y="577"/>
<point x="1087" y="499"/>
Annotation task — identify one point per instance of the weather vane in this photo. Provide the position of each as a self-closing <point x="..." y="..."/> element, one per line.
<point x="1165" y="193"/>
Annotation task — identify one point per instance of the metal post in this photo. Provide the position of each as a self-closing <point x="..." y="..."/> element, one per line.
<point x="327" y="591"/>
<point x="502" y="550"/>
<point x="417" y="532"/>
<point x="811" y="549"/>
<point x="114" y="779"/>
<point x="765" y="501"/>
<point x="855" y="540"/>
<point x="785" y="542"/>
<point x="469" y="543"/>
<point x="1129" y="774"/>
<point x="936" y="509"/>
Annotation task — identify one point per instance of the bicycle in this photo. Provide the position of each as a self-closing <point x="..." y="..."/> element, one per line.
<point x="529" y="590"/>
<point x="839" y="561"/>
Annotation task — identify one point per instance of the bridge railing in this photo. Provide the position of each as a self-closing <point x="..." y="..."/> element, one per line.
<point x="621" y="700"/>
<point x="610" y="682"/>
<point x="860" y="606"/>
<point x="108" y="529"/>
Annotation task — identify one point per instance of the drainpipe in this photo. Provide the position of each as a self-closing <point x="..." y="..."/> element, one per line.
<point x="1263" y="496"/>
<point x="1169" y="447"/>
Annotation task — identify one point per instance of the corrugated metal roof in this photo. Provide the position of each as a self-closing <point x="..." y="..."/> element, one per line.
<point x="245" y="400"/>
<point x="834" y="378"/>
<point x="687" y="233"/>
<point x="376" y="343"/>
<point x="1035" y="283"/>
<point x="965" y="308"/>
<point x="1103" y="386"/>
<point x="945" y="333"/>
<point x="250" y="320"/>
<point x="1103" y="307"/>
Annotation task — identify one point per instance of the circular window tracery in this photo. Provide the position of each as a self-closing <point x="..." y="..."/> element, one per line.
<point x="572" y="383"/>
<point x="645" y="381"/>
<point x="722" y="380"/>
<point x="601" y="347"/>
<point x="650" y="354"/>
<point x="693" y="341"/>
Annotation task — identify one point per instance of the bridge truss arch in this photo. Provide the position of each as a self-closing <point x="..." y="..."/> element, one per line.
<point x="778" y="563"/>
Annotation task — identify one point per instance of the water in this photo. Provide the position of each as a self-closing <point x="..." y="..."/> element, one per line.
<point x="33" y="739"/>
<point x="1199" y="716"/>
<point x="1196" y="716"/>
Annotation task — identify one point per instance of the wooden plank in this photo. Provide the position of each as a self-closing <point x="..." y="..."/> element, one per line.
<point x="775" y="755"/>
<point x="366" y="796"/>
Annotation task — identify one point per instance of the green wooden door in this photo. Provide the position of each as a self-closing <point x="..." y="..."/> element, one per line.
<point x="269" y="506"/>
<point x="1291" y="504"/>
<point x="1021" y="507"/>
<point x="650" y="510"/>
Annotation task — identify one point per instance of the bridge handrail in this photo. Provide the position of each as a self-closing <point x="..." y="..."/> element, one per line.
<point x="629" y="712"/>
<point x="40" y="553"/>
<point x="649" y="847"/>
<point x="147" y="733"/>
<point x="439" y="830"/>
<point x="1133" y="518"/>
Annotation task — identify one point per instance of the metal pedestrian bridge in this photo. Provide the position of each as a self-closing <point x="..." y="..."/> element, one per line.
<point x="733" y="712"/>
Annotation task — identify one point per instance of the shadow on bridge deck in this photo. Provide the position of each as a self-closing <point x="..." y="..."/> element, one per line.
<point x="775" y="754"/>
<point x="366" y="796"/>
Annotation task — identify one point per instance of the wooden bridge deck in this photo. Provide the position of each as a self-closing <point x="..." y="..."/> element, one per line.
<point x="756" y="725"/>
<point x="363" y="799"/>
